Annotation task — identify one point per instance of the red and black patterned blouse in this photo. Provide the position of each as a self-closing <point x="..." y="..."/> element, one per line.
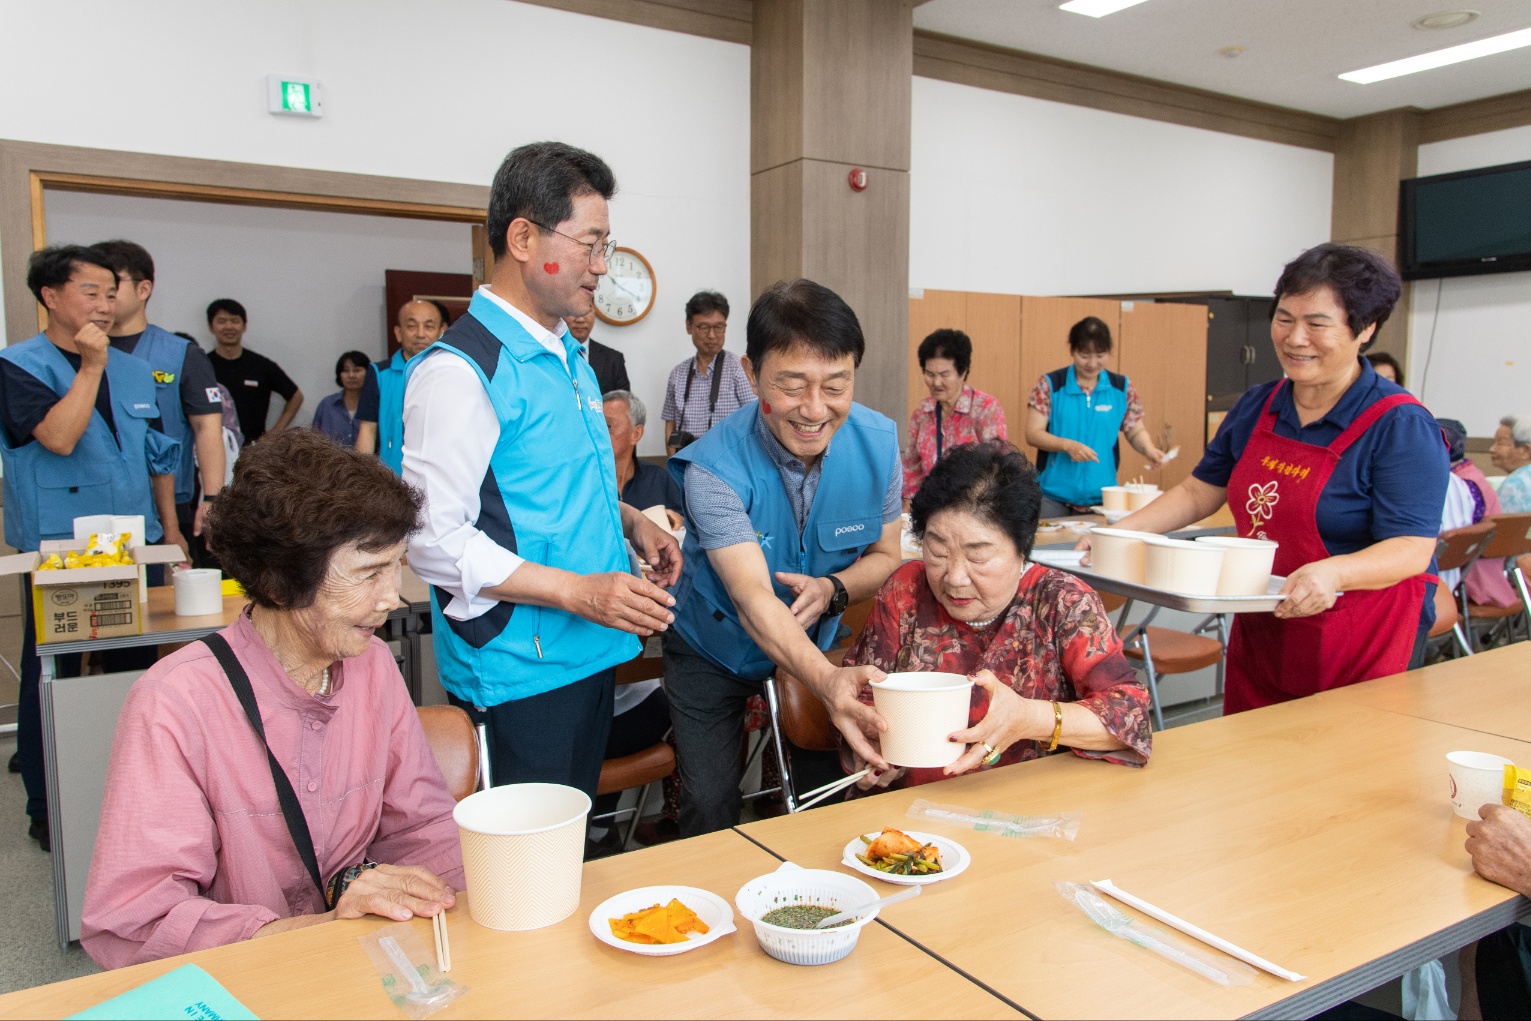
<point x="1055" y="643"/>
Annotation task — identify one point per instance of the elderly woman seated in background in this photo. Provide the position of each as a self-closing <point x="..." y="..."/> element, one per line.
<point x="1511" y="454"/>
<point x="195" y="849"/>
<point x="1048" y="665"/>
<point x="1470" y="499"/>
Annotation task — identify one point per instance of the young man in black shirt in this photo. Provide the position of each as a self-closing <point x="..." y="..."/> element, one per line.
<point x="250" y="377"/>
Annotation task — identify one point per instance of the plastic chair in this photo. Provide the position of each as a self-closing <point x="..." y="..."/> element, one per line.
<point x="1457" y="550"/>
<point x="1448" y="619"/>
<point x="641" y="768"/>
<point x="454" y="743"/>
<point x="1512" y="541"/>
<point x="1162" y="651"/>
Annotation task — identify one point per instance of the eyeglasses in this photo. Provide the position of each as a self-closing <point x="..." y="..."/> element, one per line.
<point x="709" y="329"/>
<point x="605" y="248"/>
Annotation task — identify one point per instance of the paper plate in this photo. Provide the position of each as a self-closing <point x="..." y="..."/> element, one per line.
<point x="709" y="907"/>
<point x="1111" y="516"/>
<point x="954" y="859"/>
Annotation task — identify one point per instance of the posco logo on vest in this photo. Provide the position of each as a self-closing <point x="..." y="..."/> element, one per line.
<point x="850" y="528"/>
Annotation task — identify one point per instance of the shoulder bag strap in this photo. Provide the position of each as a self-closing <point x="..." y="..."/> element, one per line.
<point x="686" y="398"/>
<point x="717" y="382"/>
<point x="938" y="431"/>
<point x="297" y="825"/>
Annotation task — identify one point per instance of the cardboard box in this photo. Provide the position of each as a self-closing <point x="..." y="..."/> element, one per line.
<point x="87" y="602"/>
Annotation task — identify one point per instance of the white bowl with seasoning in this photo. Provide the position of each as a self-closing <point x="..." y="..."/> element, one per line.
<point x="791" y="885"/>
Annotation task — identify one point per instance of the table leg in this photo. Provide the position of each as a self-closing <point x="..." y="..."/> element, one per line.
<point x="55" y="802"/>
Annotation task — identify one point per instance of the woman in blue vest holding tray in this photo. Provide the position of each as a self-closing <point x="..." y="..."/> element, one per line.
<point x="792" y="513"/>
<point x="1073" y="418"/>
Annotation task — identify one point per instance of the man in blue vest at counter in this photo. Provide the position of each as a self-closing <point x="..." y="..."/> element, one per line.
<point x="190" y="404"/>
<point x="532" y="602"/>
<point x="421" y="323"/>
<point x="79" y="435"/>
<point x="792" y="513"/>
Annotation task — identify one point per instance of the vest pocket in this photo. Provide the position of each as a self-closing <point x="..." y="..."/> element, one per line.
<point x="67" y="490"/>
<point x="849" y="533"/>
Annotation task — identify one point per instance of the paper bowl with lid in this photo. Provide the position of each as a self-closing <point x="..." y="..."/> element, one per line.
<point x="1247" y="564"/>
<point x="791" y="884"/>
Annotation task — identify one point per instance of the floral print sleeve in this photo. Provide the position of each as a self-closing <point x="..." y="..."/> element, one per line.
<point x="1103" y="680"/>
<point x="1042" y="397"/>
<point x="1134" y="416"/>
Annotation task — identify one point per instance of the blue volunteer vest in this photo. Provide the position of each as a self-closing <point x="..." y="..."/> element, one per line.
<point x="105" y="474"/>
<point x="390" y="411"/>
<point x="1093" y="419"/>
<point x="166" y="355"/>
<point x="845" y="519"/>
<point x="548" y="496"/>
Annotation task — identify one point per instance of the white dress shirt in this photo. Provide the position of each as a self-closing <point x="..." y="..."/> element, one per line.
<point x="450" y="432"/>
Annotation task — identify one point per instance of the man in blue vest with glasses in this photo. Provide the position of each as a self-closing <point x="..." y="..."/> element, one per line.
<point x="190" y="404"/>
<point x="420" y="324"/>
<point x="792" y="513"/>
<point x="534" y="600"/>
<point x="80" y="434"/>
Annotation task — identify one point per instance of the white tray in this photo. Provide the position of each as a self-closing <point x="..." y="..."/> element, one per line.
<point x="1068" y="560"/>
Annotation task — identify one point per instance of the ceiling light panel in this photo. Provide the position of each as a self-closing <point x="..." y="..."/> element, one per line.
<point x="1097" y="8"/>
<point x="1440" y="58"/>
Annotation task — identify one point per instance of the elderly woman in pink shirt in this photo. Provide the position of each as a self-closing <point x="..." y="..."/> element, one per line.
<point x="195" y="849"/>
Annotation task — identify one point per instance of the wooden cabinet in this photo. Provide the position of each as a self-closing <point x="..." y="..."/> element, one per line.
<point x="1161" y="347"/>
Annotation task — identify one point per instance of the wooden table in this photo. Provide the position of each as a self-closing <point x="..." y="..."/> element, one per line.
<point x="1486" y="693"/>
<point x="1315" y="834"/>
<point x="562" y="971"/>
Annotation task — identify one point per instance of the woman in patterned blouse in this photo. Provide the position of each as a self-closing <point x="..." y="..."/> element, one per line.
<point x="953" y="414"/>
<point x="1036" y="641"/>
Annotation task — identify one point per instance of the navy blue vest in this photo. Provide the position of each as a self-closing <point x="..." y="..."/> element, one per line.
<point x="1094" y="419"/>
<point x="845" y="519"/>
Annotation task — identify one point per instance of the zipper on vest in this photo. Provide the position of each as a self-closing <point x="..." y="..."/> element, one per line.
<point x="537" y="641"/>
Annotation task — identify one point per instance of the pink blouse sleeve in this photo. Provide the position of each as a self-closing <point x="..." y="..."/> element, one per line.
<point x="156" y="848"/>
<point x="993" y="425"/>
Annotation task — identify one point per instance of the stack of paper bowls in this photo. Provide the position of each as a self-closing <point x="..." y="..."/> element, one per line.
<point x="1175" y="565"/>
<point x="1118" y="553"/>
<point x="1247" y="564"/>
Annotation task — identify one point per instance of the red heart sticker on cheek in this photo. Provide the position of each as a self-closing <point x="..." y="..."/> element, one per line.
<point x="765" y="406"/>
<point x="550" y="268"/>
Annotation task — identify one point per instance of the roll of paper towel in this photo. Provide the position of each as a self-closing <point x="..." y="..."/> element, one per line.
<point x="198" y="592"/>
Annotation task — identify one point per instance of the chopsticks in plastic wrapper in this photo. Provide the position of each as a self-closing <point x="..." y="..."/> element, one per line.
<point x="410" y="980"/>
<point x="1225" y="971"/>
<point x="983" y="820"/>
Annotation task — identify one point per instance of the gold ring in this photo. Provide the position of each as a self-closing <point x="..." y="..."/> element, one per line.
<point x="993" y="756"/>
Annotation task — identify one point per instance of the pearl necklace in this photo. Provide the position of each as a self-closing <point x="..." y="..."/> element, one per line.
<point x="324" y="685"/>
<point x="986" y="623"/>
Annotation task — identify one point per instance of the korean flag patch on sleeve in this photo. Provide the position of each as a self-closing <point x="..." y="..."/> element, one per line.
<point x="214" y="395"/>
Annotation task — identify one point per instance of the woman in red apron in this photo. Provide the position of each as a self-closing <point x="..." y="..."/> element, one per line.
<point x="1345" y="471"/>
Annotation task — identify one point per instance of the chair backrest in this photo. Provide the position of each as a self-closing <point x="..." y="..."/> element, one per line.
<point x="804" y="720"/>
<point x="1459" y="547"/>
<point x="1512" y="536"/>
<point x="640" y="668"/>
<point x="855" y="618"/>
<point x="454" y="743"/>
<point x="1446" y="614"/>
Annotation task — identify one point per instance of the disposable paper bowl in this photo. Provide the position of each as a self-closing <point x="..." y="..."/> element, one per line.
<point x="1175" y="565"/>
<point x="1118" y="553"/>
<point x="1247" y="564"/>
<point x="523" y="848"/>
<point x="791" y="884"/>
<point x="1113" y="498"/>
<point x="1137" y="499"/>
<point x="1476" y="779"/>
<point x="922" y="708"/>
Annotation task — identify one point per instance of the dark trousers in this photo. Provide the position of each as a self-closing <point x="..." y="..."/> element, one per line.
<point x="640" y="727"/>
<point x="707" y="706"/>
<point x="558" y="736"/>
<point x="185" y="516"/>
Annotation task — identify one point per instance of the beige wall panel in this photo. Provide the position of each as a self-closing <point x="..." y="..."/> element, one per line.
<point x="776" y="85"/>
<point x="776" y="226"/>
<point x="857" y="97"/>
<point x="1163" y="351"/>
<point x="994" y="324"/>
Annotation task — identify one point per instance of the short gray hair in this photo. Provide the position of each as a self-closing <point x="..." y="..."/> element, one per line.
<point x="635" y="409"/>
<point x="1520" y="428"/>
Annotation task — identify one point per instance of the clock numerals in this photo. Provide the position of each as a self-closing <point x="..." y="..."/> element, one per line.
<point x="626" y="292"/>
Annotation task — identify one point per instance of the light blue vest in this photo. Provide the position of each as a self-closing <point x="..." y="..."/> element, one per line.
<point x="105" y="474"/>
<point x="166" y="355"/>
<point x="1093" y="419"/>
<point x="390" y="411"/>
<point x="549" y="496"/>
<point x="845" y="519"/>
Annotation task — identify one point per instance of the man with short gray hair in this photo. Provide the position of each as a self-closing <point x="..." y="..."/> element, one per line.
<point x="639" y="483"/>
<point x="1511" y="454"/>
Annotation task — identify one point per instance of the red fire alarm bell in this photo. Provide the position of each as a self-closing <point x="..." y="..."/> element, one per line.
<point x="858" y="179"/>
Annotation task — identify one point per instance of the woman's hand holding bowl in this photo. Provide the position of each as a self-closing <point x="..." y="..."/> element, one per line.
<point x="1010" y="718"/>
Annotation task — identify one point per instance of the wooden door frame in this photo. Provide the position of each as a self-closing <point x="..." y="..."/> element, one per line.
<point x="29" y="169"/>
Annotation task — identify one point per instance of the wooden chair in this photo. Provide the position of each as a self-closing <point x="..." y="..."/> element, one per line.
<point x="1457" y="550"/>
<point x="454" y="742"/>
<point x="1162" y="650"/>
<point x="1448" y="619"/>
<point x="1512" y="541"/>
<point x="798" y="716"/>
<point x="641" y="768"/>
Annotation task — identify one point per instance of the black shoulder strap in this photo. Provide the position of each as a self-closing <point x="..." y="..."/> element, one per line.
<point x="717" y="382"/>
<point x="297" y="825"/>
<point x="939" y="439"/>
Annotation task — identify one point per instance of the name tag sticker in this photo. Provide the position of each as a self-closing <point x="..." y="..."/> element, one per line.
<point x="252" y="382"/>
<point x="1103" y="407"/>
<point x="214" y="395"/>
<point x="595" y="405"/>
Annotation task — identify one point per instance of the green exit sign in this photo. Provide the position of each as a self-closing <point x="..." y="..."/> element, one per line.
<point x="293" y="97"/>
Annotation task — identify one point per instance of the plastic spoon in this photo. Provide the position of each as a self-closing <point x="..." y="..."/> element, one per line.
<point x="846" y="916"/>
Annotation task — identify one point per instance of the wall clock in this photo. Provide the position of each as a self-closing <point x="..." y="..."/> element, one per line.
<point x="626" y="293"/>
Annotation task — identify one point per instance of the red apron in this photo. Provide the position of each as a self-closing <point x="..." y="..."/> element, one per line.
<point x="1273" y="493"/>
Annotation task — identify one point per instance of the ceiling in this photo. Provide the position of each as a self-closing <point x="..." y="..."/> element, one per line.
<point x="1293" y="49"/>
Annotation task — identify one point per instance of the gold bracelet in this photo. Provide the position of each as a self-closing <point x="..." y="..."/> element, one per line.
<point x="1057" y="727"/>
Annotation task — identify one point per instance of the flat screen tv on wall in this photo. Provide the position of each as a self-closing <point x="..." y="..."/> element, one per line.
<point x="1475" y="221"/>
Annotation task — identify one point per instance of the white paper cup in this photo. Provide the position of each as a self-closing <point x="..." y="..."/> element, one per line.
<point x="1118" y="553"/>
<point x="1176" y="565"/>
<point x="922" y="708"/>
<point x="523" y="849"/>
<point x="1246" y="564"/>
<point x="1477" y="779"/>
<point x="1113" y="498"/>
<point x="1141" y="496"/>
<point x="198" y="592"/>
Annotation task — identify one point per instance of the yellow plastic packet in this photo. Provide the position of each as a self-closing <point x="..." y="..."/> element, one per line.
<point x="1517" y="788"/>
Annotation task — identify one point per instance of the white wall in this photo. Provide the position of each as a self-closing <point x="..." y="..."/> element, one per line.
<point x="1016" y="195"/>
<point x="1479" y="363"/>
<point x="429" y="89"/>
<point x="311" y="281"/>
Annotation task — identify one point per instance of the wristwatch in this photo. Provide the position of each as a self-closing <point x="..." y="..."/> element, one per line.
<point x="840" y="600"/>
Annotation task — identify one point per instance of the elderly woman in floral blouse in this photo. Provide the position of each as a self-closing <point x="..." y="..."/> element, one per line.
<point x="954" y="413"/>
<point x="1036" y="641"/>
